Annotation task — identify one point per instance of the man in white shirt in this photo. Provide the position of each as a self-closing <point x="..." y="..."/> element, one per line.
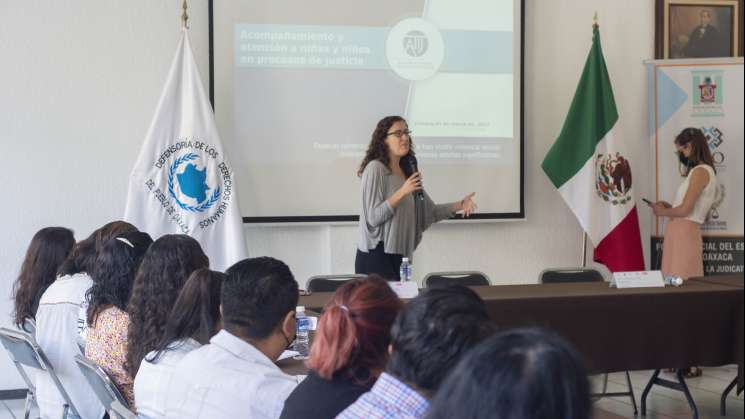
<point x="234" y="376"/>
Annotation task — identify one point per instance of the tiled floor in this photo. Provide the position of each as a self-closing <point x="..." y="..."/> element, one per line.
<point x="662" y="403"/>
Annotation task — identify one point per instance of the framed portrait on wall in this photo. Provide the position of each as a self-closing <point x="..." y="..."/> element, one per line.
<point x="698" y="28"/>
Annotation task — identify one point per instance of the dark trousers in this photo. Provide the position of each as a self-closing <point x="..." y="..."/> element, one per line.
<point x="376" y="261"/>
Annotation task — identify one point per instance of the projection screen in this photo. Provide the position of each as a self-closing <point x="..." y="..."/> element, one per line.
<point x="298" y="88"/>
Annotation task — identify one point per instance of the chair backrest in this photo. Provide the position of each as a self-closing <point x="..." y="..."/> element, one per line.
<point x="329" y="283"/>
<point x="122" y="412"/>
<point x="466" y="278"/>
<point x="29" y="326"/>
<point x="557" y="275"/>
<point x="25" y="352"/>
<point x="100" y="382"/>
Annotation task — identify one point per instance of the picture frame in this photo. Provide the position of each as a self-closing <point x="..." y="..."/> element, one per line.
<point x="698" y="28"/>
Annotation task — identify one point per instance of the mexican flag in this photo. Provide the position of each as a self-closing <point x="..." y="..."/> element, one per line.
<point x="588" y="167"/>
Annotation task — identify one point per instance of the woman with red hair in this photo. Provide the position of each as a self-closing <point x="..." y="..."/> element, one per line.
<point x="349" y="351"/>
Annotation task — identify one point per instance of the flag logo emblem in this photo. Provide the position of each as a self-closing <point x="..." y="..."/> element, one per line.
<point x="708" y="91"/>
<point x="186" y="182"/>
<point x="613" y="178"/>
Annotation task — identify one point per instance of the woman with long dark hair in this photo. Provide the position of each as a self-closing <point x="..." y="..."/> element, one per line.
<point x="682" y="247"/>
<point x="682" y="251"/>
<point x="194" y="319"/>
<point x="349" y="351"/>
<point x="48" y="249"/>
<point x="518" y="374"/>
<point x="163" y="272"/>
<point x="60" y="329"/>
<point x="392" y="220"/>
<point x="108" y="322"/>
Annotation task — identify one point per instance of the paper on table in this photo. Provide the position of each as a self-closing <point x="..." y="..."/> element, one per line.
<point x="287" y="354"/>
<point x="641" y="279"/>
<point x="406" y="289"/>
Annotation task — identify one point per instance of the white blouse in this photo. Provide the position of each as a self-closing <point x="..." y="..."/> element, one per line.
<point x="154" y="379"/>
<point x="707" y="198"/>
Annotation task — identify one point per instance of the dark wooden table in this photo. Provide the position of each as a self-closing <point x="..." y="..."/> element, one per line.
<point x="699" y="323"/>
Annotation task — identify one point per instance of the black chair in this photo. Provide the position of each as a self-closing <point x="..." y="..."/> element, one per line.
<point x="329" y="283"/>
<point x="559" y="275"/>
<point x="104" y="388"/>
<point x="567" y="275"/>
<point x="25" y="352"/>
<point x="466" y="278"/>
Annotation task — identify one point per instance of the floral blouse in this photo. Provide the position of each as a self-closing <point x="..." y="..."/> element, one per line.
<point x="106" y="345"/>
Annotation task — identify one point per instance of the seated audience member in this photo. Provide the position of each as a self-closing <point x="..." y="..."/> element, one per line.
<point x="519" y="374"/>
<point x="234" y="376"/>
<point x="194" y="319"/>
<point x="165" y="268"/>
<point x="49" y="247"/>
<point x="113" y="276"/>
<point x="428" y="338"/>
<point x="58" y="329"/>
<point x="349" y="351"/>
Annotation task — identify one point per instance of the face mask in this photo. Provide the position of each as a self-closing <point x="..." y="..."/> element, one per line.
<point x="685" y="161"/>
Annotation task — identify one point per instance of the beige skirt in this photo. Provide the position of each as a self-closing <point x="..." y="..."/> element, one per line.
<point x="682" y="253"/>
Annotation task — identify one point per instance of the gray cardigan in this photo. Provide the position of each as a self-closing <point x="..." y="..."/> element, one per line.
<point x="398" y="228"/>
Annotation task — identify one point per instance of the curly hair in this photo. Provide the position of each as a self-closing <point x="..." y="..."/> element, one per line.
<point x="196" y="312"/>
<point x="114" y="273"/>
<point x="378" y="149"/>
<point x="433" y="331"/>
<point x="48" y="249"/>
<point x="83" y="256"/>
<point x="162" y="273"/>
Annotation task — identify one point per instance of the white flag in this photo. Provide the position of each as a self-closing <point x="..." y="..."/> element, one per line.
<point x="182" y="182"/>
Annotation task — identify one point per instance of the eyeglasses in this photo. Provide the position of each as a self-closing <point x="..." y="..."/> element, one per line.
<point x="400" y="133"/>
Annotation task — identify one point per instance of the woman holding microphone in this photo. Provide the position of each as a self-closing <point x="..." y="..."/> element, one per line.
<point x="682" y="255"/>
<point x="394" y="214"/>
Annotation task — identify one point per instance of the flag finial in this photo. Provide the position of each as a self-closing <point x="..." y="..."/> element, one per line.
<point x="595" y="19"/>
<point x="184" y="16"/>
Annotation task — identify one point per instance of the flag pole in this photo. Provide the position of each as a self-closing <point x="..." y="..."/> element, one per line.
<point x="584" y="233"/>
<point x="184" y="16"/>
<point x="584" y="248"/>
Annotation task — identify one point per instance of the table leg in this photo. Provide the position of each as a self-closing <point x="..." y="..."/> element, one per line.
<point x="680" y="385"/>
<point x="723" y="403"/>
<point x="646" y="391"/>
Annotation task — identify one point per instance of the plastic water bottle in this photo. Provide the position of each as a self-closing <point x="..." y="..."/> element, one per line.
<point x="673" y="281"/>
<point x="302" y="322"/>
<point x="405" y="270"/>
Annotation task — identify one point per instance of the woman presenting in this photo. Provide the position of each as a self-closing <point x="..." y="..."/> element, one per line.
<point x="681" y="250"/>
<point x="392" y="219"/>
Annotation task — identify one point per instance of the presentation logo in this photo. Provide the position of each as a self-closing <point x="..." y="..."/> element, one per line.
<point x="414" y="49"/>
<point x="706" y="89"/>
<point x="613" y="178"/>
<point x="415" y="43"/>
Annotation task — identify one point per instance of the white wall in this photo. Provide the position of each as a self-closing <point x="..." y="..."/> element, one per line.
<point x="79" y="82"/>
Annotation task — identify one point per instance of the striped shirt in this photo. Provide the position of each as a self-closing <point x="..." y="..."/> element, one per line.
<point x="389" y="398"/>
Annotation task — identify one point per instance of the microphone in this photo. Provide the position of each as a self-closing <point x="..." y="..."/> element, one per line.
<point x="409" y="166"/>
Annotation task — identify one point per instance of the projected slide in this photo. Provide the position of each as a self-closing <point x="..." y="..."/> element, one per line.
<point x="300" y="87"/>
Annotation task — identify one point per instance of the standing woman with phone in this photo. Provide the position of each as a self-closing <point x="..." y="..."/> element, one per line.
<point x="682" y="254"/>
